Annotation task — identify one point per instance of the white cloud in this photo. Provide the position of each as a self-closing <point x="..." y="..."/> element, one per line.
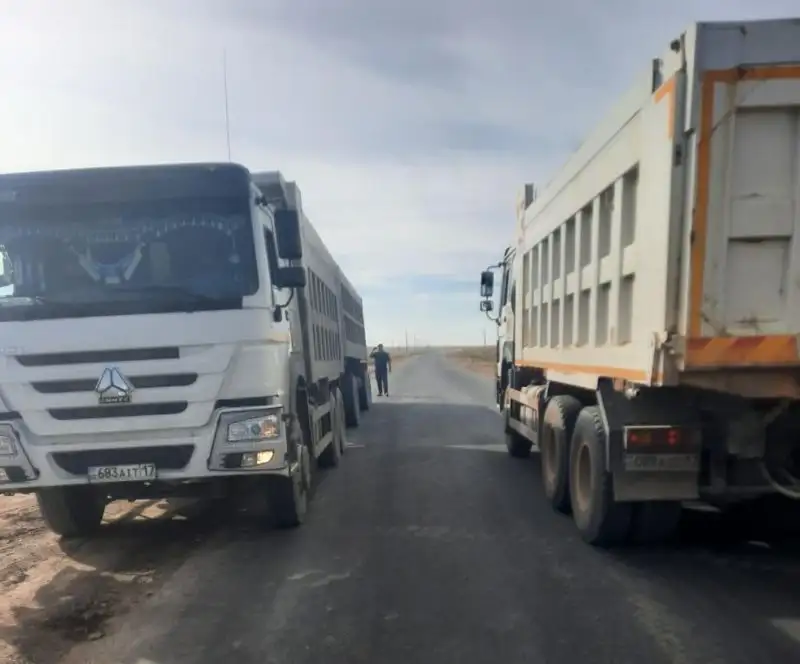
<point x="409" y="127"/>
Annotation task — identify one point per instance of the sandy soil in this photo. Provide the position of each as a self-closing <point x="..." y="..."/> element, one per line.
<point x="480" y="359"/>
<point x="56" y="594"/>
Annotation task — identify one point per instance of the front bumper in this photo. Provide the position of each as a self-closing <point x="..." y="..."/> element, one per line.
<point x="179" y="455"/>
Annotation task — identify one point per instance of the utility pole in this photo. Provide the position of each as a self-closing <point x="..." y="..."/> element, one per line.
<point x="406" y="342"/>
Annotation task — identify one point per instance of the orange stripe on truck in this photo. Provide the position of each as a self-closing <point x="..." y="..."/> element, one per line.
<point x="667" y="91"/>
<point x="633" y="375"/>
<point x="754" y="351"/>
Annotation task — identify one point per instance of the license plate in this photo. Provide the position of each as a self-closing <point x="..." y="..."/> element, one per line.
<point x="3" y="475"/>
<point x="681" y="463"/>
<point x="140" y="472"/>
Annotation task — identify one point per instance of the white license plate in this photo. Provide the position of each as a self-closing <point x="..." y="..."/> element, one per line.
<point x="139" y="472"/>
<point x="680" y="463"/>
<point x="3" y="475"/>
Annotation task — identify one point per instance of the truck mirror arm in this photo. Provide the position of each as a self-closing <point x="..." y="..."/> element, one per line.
<point x="277" y="315"/>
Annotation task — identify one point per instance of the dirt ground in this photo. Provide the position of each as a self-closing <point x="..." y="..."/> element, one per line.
<point x="480" y="359"/>
<point x="56" y="594"/>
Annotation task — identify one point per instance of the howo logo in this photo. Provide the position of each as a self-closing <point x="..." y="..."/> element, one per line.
<point x="113" y="387"/>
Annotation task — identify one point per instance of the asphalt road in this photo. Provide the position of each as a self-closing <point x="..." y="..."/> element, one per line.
<point x="430" y="544"/>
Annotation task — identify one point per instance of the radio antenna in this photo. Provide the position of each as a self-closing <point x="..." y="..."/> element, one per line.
<point x="225" y="87"/>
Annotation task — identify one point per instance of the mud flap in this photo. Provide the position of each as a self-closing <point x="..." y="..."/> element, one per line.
<point x="654" y="446"/>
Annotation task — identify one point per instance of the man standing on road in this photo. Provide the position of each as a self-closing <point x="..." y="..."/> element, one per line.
<point x="383" y="367"/>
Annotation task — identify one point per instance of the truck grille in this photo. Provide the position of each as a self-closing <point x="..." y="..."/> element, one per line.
<point x="172" y="457"/>
<point x="100" y="356"/>
<point x="173" y="387"/>
<point x="138" y="382"/>
<point x="122" y="410"/>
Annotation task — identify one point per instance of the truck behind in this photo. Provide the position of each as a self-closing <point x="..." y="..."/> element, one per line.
<point x="650" y="302"/>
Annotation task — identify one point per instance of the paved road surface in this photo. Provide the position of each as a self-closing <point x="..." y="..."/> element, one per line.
<point x="429" y="544"/>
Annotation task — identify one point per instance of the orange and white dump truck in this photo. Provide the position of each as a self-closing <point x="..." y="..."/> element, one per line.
<point x="650" y="304"/>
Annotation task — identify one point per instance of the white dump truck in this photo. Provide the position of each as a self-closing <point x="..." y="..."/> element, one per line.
<point x="168" y="331"/>
<point x="650" y="302"/>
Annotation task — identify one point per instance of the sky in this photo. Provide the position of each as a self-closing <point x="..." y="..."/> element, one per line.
<point x="410" y="127"/>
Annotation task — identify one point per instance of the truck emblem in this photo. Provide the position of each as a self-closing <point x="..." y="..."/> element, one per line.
<point x="113" y="387"/>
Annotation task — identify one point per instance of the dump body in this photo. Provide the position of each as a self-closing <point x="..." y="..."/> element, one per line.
<point x="332" y="308"/>
<point x="662" y="253"/>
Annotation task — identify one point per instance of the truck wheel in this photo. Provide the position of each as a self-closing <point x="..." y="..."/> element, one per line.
<point x="352" y="411"/>
<point x="365" y="392"/>
<point x="600" y="521"/>
<point x="72" y="511"/>
<point x="655" y="522"/>
<point x="557" y="429"/>
<point x="332" y="454"/>
<point x="288" y="496"/>
<point x="518" y="446"/>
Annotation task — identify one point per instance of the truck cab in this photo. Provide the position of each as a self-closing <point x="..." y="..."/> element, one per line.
<point x="505" y="325"/>
<point x="147" y="345"/>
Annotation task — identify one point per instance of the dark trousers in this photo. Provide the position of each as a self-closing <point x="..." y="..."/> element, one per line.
<point x="382" y="376"/>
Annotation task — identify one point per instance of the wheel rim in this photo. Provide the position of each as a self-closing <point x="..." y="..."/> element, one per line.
<point x="549" y="453"/>
<point x="583" y="477"/>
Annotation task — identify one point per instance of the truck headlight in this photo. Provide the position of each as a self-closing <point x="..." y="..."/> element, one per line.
<point x="265" y="427"/>
<point x="8" y="445"/>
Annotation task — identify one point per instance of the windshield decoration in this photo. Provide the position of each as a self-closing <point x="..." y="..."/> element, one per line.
<point x="116" y="230"/>
<point x="88" y="258"/>
<point x="119" y="243"/>
<point x="110" y="273"/>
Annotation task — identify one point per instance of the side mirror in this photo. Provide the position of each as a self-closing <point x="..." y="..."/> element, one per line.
<point x="487" y="306"/>
<point x="291" y="277"/>
<point x="487" y="283"/>
<point x="287" y="232"/>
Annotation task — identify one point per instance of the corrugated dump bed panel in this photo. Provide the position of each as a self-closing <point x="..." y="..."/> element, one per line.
<point x="595" y="245"/>
<point x="746" y="260"/>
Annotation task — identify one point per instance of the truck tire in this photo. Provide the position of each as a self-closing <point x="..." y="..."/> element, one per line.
<point x="518" y="446"/>
<point x="600" y="521"/>
<point x="332" y="454"/>
<point x="72" y="511"/>
<point x="288" y="496"/>
<point x="557" y="430"/>
<point x="365" y="391"/>
<point x="655" y="522"/>
<point x="352" y="410"/>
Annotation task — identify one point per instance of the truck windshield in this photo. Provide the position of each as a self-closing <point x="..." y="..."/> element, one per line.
<point x="125" y="257"/>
